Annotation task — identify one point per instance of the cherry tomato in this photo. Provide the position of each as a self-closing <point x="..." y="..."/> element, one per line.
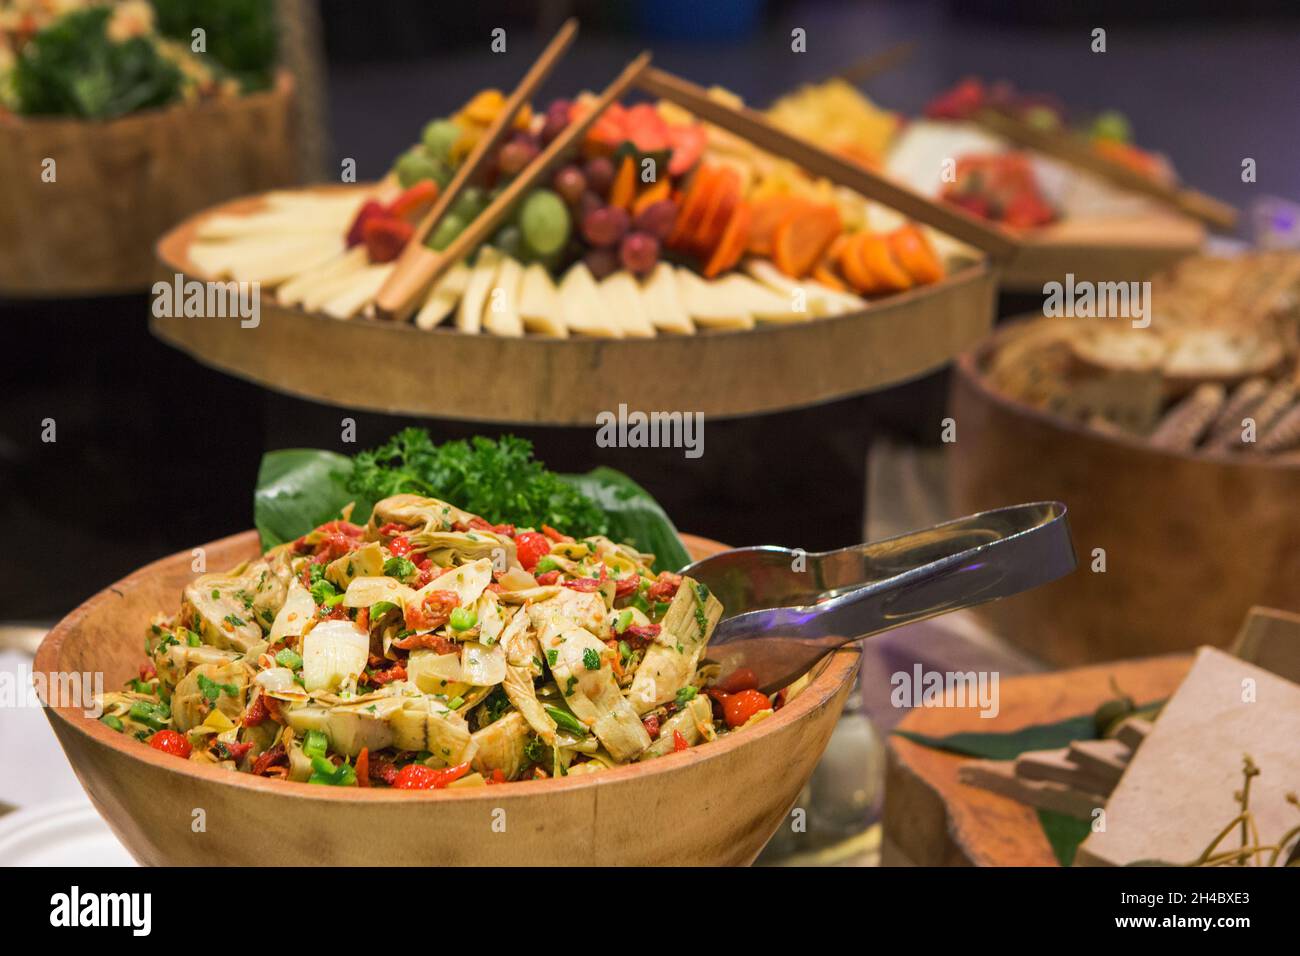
<point x="743" y="678"/>
<point x="739" y="707"/>
<point x="171" y="742"/>
<point x="531" y="547"/>
<point x="416" y="776"/>
<point x="400" y="546"/>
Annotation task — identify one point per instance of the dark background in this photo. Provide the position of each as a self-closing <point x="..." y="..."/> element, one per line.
<point x="156" y="453"/>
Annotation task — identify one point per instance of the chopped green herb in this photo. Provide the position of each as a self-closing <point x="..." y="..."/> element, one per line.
<point x="590" y="659"/>
<point x="566" y="721"/>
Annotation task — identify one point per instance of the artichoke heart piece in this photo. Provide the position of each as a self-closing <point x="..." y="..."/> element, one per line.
<point x="437" y="674"/>
<point x="445" y="548"/>
<point x="523" y="695"/>
<point x="694" y="722"/>
<point x="670" y="662"/>
<point x="334" y="652"/>
<point x="592" y="693"/>
<point x="365" y="562"/>
<point x="467" y="581"/>
<point x="179" y="659"/>
<point x="427" y="514"/>
<point x="218" y="612"/>
<point x="298" y="609"/>
<point x="369" y="591"/>
<point x="500" y="746"/>
<point x="482" y="665"/>
<point x="569" y="608"/>
<point x="209" y="687"/>
<point x="349" y="727"/>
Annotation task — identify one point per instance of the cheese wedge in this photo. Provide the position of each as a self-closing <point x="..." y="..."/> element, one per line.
<point x="469" y="316"/>
<point x="292" y="291"/>
<point x="501" y="317"/>
<point x="662" y="304"/>
<point x="357" y="294"/>
<point x="621" y="296"/>
<point x="444" y="295"/>
<point x="819" y="299"/>
<point x="581" y="304"/>
<point x="709" y="305"/>
<point x="539" y="303"/>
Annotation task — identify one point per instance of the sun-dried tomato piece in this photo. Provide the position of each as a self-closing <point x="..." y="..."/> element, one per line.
<point x="434" y="642"/>
<point x="275" y="757"/>
<point x="665" y="587"/>
<point x="640" y="635"/>
<point x="433" y="612"/>
<point x="257" y="711"/>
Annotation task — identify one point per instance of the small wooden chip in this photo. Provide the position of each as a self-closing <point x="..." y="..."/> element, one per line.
<point x="1102" y="757"/>
<point x="1055" y="766"/>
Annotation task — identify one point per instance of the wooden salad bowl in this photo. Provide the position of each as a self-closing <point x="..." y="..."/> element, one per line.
<point x="121" y="182"/>
<point x="717" y="804"/>
<point x="1192" y="540"/>
<point x="396" y="368"/>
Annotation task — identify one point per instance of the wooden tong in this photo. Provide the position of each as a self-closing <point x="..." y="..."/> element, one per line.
<point x="397" y="296"/>
<point x="1080" y="154"/>
<point x="753" y="126"/>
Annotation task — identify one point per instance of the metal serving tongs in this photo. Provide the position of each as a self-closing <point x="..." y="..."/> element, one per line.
<point x="787" y="610"/>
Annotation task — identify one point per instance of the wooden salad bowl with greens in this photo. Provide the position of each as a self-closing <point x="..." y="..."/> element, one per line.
<point x="717" y="804"/>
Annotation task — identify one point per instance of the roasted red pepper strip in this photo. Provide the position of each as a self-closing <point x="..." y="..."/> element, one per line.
<point x="416" y="776"/>
<point x="679" y="742"/>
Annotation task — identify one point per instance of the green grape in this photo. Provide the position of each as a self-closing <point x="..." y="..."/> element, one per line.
<point x="438" y="138"/>
<point x="545" y="222"/>
<point x="446" y="232"/>
<point x="470" y="203"/>
<point x="415" y="165"/>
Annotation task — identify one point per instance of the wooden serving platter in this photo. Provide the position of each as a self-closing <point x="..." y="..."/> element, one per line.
<point x="121" y="182"/>
<point x="1100" y="249"/>
<point x="399" y="369"/>
<point x="1192" y="540"/>
<point x="933" y="819"/>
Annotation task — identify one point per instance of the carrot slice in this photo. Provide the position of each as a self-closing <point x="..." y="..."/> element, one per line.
<point x="732" y="245"/>
<point x="874" y="253"/>
<point x="623" y="191"/>
<point x="659" y="190"/>
<point x="692" y="207"/>
<point x="855" y="268"/>
<point x="724" y="197"/>
<point x="767" y="215"/>
<point x="824" y="272"/>
<point x="913" y="252"/>
<point x="802" y="237"/>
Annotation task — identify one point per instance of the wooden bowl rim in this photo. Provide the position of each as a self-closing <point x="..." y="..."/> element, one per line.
<point x="282" y="85"/>
<point x="969" y="368"/>
<point x="172" y="251"/>
<point x="833" y="673"/>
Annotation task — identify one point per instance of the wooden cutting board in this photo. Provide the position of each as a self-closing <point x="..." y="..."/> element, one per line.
<point x="932" y="819"/>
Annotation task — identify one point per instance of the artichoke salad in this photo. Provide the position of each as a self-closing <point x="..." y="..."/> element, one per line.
<point x="430" y="648"/>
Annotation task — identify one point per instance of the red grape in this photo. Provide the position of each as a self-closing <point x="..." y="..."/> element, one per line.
<point x="570" y="184"/>
<point x="515" y="155"/>
<point x="639" y="252"/>
<point x="657" y="219"/>
<point x="600" y="174"/>
<point x="604" y="226"/>
<point x="601" y="262"/>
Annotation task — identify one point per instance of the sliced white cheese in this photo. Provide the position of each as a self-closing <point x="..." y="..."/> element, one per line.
<point x="539" y="303"/>
<point x="709" y="305"/>
<point x="663" y="306"/>
<point x="763" y="303"/>
<point x="584" y="311"/>
<point x="293" y="291"/>
<point x="349" y="301"/>
<point x="821" y="301"/>
<point x="621" y="295"/>
<point x="469" y="315"/>
<point x="286" y="263"/>
<point x="443" y="297"/>
<point x="501" y="315"/>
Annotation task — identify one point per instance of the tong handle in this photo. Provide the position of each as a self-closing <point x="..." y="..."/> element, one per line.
<point x="870" y="588"/>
